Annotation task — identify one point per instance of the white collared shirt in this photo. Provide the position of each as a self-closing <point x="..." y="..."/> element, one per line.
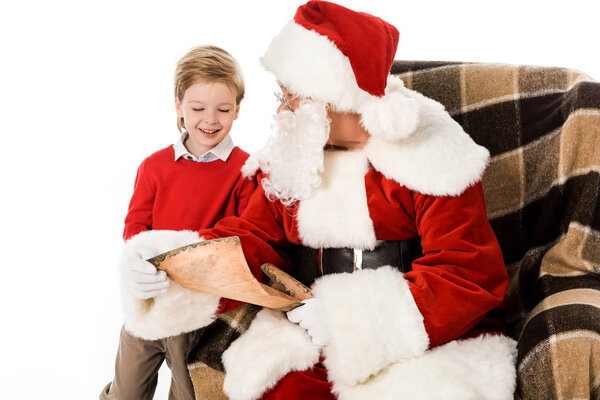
<point x="220" y="152"/>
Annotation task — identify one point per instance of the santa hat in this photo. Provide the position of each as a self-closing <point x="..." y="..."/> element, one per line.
<point x="343" y="57"/>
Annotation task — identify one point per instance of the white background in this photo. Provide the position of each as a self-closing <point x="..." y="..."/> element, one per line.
<point x="86" y="94"/>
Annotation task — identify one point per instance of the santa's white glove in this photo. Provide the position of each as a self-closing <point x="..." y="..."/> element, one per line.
<point x="141" y="278"/>
<point x="310" y="317"/>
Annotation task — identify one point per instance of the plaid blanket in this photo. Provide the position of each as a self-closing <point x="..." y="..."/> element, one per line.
<point x="204" y="362"/>
<point x="542" y="187"/>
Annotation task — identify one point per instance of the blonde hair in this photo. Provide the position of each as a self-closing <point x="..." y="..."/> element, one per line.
<point x="209" y="64"/>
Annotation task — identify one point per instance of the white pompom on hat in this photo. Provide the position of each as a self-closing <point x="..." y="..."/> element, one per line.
<point x="343" y="57"/>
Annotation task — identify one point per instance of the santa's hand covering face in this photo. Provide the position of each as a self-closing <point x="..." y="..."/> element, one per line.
<point x="391" y="234"/>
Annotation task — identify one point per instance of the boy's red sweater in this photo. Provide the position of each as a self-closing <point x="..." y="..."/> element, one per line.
<point x="187" y="195"/>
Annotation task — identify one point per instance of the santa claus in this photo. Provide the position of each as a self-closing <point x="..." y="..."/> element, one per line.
<point x="370" y="193"/>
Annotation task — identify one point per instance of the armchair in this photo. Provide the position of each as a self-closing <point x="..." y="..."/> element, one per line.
<point x="542" y="186"/>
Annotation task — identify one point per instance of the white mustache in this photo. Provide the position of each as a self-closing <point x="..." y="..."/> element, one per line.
<point x="293" y="156"/>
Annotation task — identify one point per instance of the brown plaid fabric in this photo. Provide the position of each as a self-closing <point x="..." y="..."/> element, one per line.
<point x="204" y="363"/>
<point x="542" y="186"/>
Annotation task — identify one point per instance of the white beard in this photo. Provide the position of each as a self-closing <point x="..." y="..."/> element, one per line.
<point x="293" y="156"/>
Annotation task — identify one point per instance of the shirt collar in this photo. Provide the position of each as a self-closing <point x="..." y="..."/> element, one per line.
<point x="221" y="151"/>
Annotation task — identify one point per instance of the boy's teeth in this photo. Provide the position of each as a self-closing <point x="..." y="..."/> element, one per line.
<point x="205" y="131"/>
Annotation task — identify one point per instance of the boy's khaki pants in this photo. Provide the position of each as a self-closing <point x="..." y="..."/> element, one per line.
<point x="138" y="362"/>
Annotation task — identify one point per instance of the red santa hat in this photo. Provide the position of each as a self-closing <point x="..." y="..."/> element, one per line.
<point x="343" y="57"/>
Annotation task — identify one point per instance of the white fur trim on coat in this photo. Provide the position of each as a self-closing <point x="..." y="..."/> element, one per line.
<point x="438" y="158"/>
<point x="481" y="368"/>
<point x="179" y="310"/>
<point x="372" y="322"/>
<point x="264" y="354"/>
<point x="336" y="213"/>
<point x="250" y="167"/>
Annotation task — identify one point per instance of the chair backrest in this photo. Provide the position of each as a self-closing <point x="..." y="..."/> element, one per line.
<point x="542" y="185"/>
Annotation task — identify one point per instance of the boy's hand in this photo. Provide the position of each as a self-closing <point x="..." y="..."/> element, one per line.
<point x="141" y="278"/>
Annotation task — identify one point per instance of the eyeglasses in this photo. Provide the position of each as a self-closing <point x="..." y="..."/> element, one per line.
<point x="284" y="101"/>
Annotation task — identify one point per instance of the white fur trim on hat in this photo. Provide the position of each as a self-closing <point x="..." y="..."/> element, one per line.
<point x="439" y="158"/>
<point x="264" y="354"/>
<point x="481" y="368"/>
<point x="179" y="310"/>
<point x="391" y="117"/>
<point x="308" y="64"/>
<point x="372" y="322"/>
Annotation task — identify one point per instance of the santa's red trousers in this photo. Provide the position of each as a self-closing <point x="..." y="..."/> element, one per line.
<point x="310" y="384"/>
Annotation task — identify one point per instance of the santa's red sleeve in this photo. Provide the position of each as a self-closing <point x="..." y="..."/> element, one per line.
<point x="461" y="275"/>
<point x="182" y="310"/>
<point x="245" y="187"/>
<point x="261" y="233"/>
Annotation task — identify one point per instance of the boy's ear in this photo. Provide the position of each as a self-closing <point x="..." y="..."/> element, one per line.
<point x="237" y="111"/>
<point x="178" y="108"/>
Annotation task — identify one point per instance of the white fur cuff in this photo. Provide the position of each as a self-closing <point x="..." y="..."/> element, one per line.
<point x="481" y="368"/>
<point x="263" y="355"/>
<point x="372" y="322"/>
<point x="177" y="311"/>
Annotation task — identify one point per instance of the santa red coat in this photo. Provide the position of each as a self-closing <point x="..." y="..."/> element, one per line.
<point x="391" y="334"/>
<point x="460" y="277"/>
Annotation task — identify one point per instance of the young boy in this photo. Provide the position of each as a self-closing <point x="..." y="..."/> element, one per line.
<point x="187" y="186"/>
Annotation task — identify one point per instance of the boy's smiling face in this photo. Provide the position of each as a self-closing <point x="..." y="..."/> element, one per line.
<point x="208" y="110"/>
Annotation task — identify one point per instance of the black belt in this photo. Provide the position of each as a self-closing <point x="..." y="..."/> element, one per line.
<point x="309" y="263"/>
